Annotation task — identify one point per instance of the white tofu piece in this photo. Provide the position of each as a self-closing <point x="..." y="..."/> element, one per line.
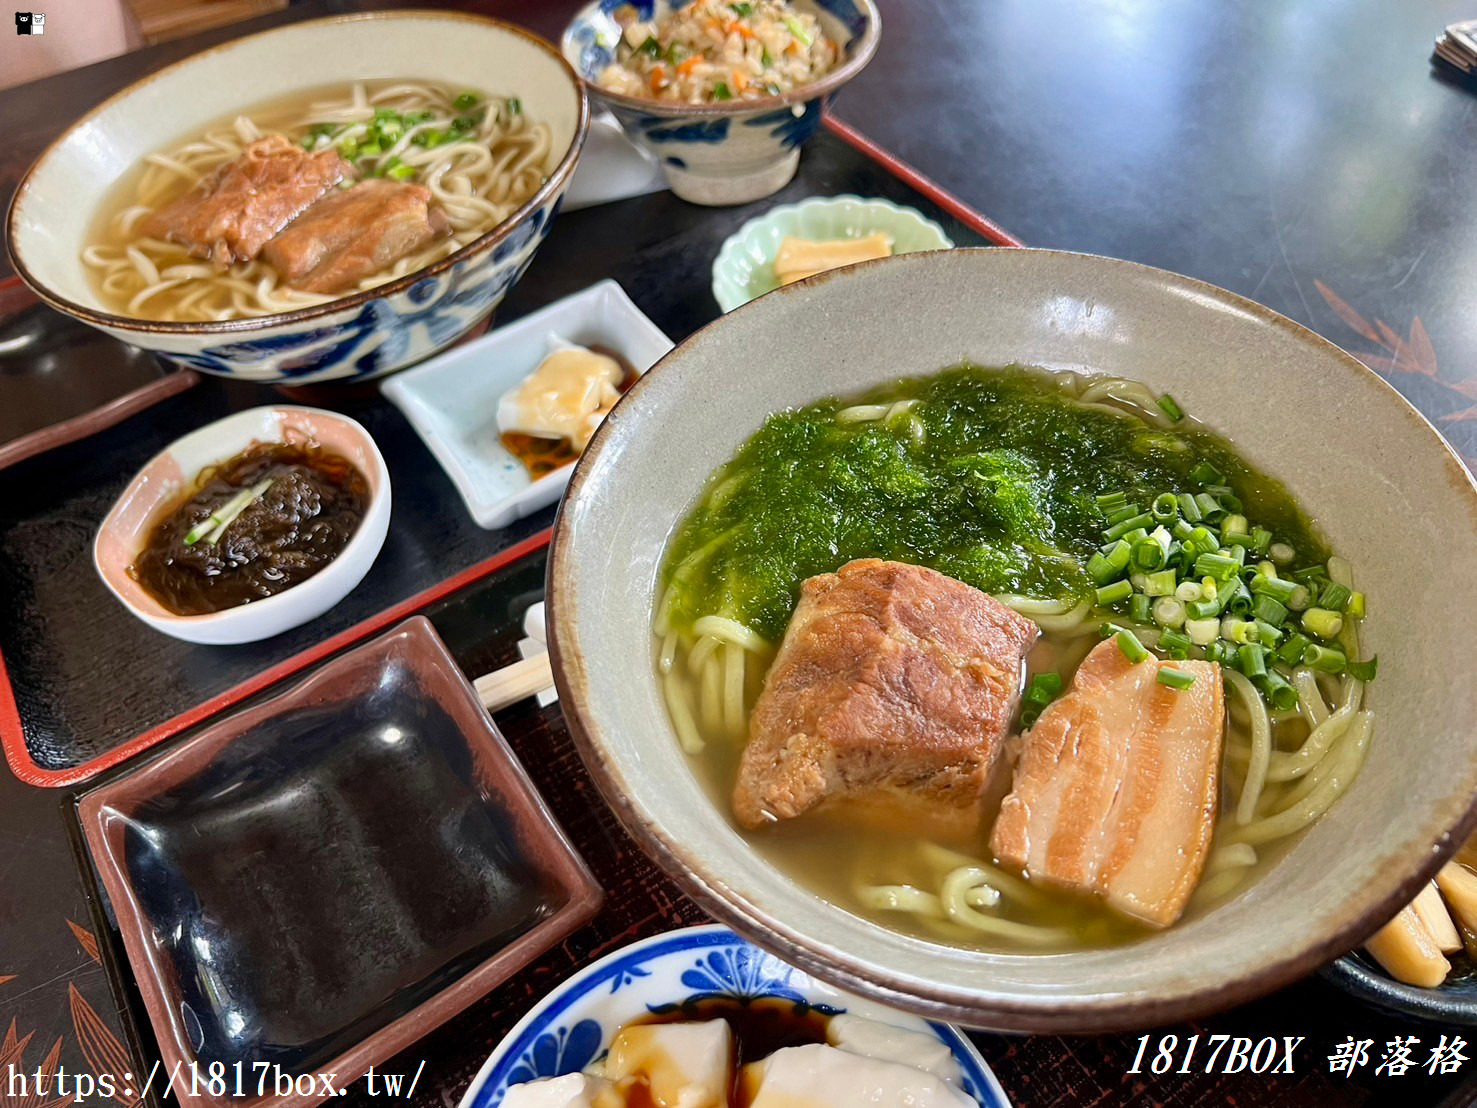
<point x="684" y="1065"/>
<point x="573" y="1090"/>
<point x="565" y="397"/>
<point x="820" y="1076"/>
<point x="882" y="1041"/>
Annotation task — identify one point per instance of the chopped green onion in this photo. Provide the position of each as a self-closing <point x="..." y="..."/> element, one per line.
<point x="1165" y="508"/>
<point x="1218" y="651"/>
<point x="1279" y="693"/>
<point x="1112" y="594"/>
<point x="720" y="92"/>
<point x="1209" y="609"/>
<point x="1325" y="659"/>
<point x="1170" y="408"/>
<point x="1150" y="554"/>
<point x="1100" y="570"/>
<point x="401" y="172"/>
<point x="798" y="31"/>
<point x="1213" y="565"/>
<point x="1129" y="644"/>
<point x="1203" y="632"/>
<point x="743" y="11"/>
<point x="1211" y="509"/>
<point x="1239" y="631"/>
<point x="1169" y="612"/>
<point x="1123" y="527"/>
<point x="1228" y="499"/>
<point x="1335" y="598"/>
<point x="1234" y="524"/>
<point x="1176" y="644"/>
<point x="1207" y="474"/>
<point x="1174" y="678"/>
<point x="1189" y="508"/>
<point x="1266" y="634"/>
<point x="1139" y="608"/>
<point x="1291" y="652"/>
<point x="1160" y="583"/>
<point x="1277" y="588"/>
<point x="1264" y="608"/>
<point x="1049" y="683"/>
<point x="1323" y="623"/>
<point x="1188" y="591"/>
<point x="1119" y="514"/>
<point x="1364" y="671"/>
<point x="1355" y="607"/>
<point x="1111" y="501"/>
<point x="1281" y="553"/>
<point x="1261" y="540"/>
<point x="1251" y="659"/>
<point x="1239" y="600"/>
<point x="1203" y="540"/>
<point x="515" y="106"/>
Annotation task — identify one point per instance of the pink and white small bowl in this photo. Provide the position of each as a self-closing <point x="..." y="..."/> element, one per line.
<point x="126" y="527"/>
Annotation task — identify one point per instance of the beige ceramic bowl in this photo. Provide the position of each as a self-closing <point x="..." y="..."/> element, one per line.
<point x="1384" y="487"/>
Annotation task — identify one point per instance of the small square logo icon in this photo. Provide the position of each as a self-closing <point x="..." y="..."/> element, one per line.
<point x="30" y="23"/>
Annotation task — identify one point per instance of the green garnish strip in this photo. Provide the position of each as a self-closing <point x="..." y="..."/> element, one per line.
<point x="1194" y="568"/>
<point x="213" y="526"/>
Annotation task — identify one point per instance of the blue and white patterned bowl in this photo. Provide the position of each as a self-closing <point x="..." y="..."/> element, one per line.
<point x="733" y="151"/>
<point x="574" y="1024"/>
<point x="361" y="335"/>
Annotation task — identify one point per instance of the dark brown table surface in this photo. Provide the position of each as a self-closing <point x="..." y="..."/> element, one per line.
<point x="1302" y="154"/>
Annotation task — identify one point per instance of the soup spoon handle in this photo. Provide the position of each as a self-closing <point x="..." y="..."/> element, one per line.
<point x="512" y="683"/>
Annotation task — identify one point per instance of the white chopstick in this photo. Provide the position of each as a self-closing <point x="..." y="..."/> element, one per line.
<point x="503" y="687"/>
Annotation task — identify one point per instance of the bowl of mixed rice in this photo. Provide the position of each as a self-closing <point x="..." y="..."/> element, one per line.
<point x="723" y="94"/>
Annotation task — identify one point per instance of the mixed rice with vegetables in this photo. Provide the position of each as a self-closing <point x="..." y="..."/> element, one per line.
<point x="712" y="50"/>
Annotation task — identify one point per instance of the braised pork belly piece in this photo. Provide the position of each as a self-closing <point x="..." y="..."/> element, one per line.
<point x="894" y="686"/>
<point x="1115" y="792"/>
<point x="355" y="232"/>
<point x="231" y="214"/>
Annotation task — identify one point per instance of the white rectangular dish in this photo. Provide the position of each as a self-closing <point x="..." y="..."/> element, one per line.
<point x="452" y="399"/>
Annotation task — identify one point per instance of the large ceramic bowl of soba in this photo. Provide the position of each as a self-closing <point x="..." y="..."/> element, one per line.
<point x="337" y="198"/>
<point x="1032" y="640"/>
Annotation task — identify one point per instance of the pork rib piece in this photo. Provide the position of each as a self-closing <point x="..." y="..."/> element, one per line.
<point x="229" y="216"/>
<point x="1115" y="793"/>
<point x="355" y="232"/>
<point x="894" y="684"/>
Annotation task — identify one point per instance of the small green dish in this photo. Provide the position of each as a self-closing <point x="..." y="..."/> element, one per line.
<point x="744" y="267"/>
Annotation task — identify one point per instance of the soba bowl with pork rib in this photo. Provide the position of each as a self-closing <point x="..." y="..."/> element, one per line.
<point x="295" y="204"/>
<point x="1009" y="659"/>
<point x="334" y="198"/>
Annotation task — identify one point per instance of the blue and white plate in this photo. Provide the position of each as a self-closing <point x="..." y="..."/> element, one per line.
<point x="574" y="1024"/>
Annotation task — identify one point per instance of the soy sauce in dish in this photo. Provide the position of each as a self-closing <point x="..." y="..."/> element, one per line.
<point x="251" y="527"/>
<point x="760" y="1027"/>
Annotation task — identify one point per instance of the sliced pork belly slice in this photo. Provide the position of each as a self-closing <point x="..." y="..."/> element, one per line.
<point x="1115" y="793"/>
<point x="353" y="233"/>
<point x="229" y="216"/>
<point x="894" y="686"/>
